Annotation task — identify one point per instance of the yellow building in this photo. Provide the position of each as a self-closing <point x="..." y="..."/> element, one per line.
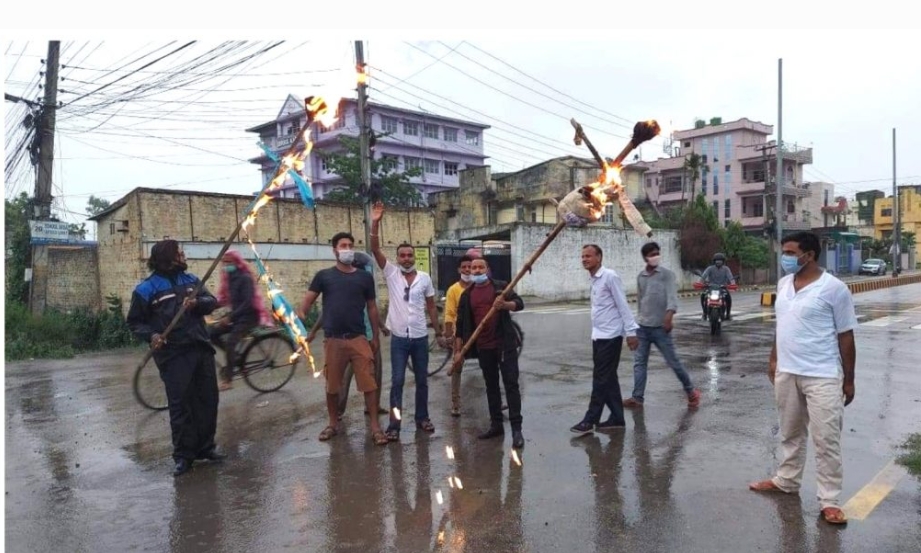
<point x="909" y="214"/>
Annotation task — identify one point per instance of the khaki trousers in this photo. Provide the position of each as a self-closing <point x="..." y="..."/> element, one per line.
<point x="810" y="405"/>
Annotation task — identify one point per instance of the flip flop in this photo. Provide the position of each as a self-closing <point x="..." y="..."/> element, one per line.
<point x="834" y="515"/>
<point x="380" y="438"/>
<point x="328" y="433"/>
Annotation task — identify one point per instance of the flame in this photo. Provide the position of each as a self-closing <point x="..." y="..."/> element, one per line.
<point x="449" y="451"/>
<point x="321" y="111"/>
<point x="440" y="497"/>
<point x="516" y="458"/>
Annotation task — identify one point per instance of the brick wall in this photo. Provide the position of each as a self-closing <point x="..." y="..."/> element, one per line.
<point x="72" y="279"/>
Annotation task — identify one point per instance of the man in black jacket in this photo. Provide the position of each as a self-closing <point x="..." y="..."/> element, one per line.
<point x="496" y="347"/>
<point x="185" y="358"/>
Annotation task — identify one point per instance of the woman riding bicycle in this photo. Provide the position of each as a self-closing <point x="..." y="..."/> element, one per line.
<point x="239" y="291"/>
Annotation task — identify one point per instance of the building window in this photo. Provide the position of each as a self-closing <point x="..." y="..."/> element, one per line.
<point x="687" y="143"/>
<point x="727" y="176"/>
<point x="390" y="163"/>
<point x="727" y="209"/>
<point x="388" y="125"/>
<point x="648" y="182"/>
<point x="885" y="212"/>
<point x="430" y="131"/>
<point x="791" y="206"/>
<point x="716" y="209"/>
<point x="450" y="134"/>
<point x="673" y="184"/>
<point x="323" y="165"/>
<point x="411" y="163"/>
<point x="716" y="185"/>
<point x="758" y="209"/>
<point x="727" y="152"/>
<point x="410" y="128"/>
<point x="703" y="184"/>
<point x="704" y="148"/>
<point x="433" y="166"/>
<point x="450" y="168"/>
<point x="472" y="138"/>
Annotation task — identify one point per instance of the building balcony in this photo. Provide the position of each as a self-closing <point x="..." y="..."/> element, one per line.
<point x="749" y="188"/>
<point x="794" y="222"/>
<point x="797" y="154"/>
<point x="796" y="191"/>
<point x="672" y="197"/>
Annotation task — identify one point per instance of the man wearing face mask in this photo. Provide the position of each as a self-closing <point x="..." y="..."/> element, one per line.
<point x="347" y="292"/>
<point x="656" y="302"/>
<point x="717" y="274"/>
<point x="410" y="293"/>
<point x="812" y="370"/>
<point x="452" y="300"/>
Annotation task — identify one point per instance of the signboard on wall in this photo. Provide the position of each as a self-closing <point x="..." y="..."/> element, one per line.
<point x="423" y="263"/>
<point x="52" y="232"/>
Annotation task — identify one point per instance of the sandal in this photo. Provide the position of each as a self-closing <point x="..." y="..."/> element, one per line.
<point x="328" y="433"/>
<point x="425" y="425"/>
<point x="393" y="435"/>
<point x="765" y="486"/>
<point x="834" y="515"/>
<point x="379" y="438"/>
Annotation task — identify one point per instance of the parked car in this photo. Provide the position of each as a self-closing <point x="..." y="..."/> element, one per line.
<point x="873" y="267"/>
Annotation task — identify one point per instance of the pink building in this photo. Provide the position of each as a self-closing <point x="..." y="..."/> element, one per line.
<point x="736" y="157"/>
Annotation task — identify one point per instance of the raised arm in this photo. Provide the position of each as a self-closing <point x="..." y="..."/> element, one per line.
<point x="377" y="213"/>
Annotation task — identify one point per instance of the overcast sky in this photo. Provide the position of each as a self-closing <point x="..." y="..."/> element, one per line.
<point x="841" y="95"/>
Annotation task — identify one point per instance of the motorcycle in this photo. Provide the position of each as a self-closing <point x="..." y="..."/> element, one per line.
<point x="716" y="304"/>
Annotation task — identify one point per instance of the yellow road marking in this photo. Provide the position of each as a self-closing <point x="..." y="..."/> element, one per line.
<point x="862" y="504"/>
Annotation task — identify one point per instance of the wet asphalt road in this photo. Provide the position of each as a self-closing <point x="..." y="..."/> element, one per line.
<point x="88" y="469"/>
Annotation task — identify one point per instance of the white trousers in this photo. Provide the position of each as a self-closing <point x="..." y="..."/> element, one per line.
<point x="810" y="405"/>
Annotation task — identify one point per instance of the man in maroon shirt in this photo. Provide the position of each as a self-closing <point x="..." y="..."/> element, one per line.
<point x="496" y="347"/>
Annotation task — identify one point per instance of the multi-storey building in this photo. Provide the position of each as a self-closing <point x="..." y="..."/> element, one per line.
<point x="440" y="146"/>
<point x="737" y="176"/>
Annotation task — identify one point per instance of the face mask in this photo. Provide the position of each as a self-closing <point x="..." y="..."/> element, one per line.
<point x="718" y="263"/>
<point x="230" y="268"/>
<point x="479" y="279"/>
<point x="407" y="270"/>
<point x="346" y="257"/>
<point x="790" y="263"/>
<point x="654" y="260"/>
<point x="467" y="278"/>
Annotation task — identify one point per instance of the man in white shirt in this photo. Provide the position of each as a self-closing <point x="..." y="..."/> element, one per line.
<point x="812" y="370"/>
<point x="410" y="294"/>
<point x="611" y="320"/>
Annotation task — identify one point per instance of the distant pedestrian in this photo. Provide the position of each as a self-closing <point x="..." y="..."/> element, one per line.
<point x="656" y="304"/>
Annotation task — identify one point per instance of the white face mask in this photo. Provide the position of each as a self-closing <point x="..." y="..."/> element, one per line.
<point x="654" y="260"/>
<point x="466" y="278"/>
<point x="346" y="257"/>
<point x="407" y="270"/>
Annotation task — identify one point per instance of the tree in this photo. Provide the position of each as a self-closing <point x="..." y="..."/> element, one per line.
<point x="391" y="185"/>
<point x="700" y="235"/>
<point x="750" y="252"/>
<point x="19" y="251"/>
<point x="693" y="166"/>
<point x="95" y="206"/>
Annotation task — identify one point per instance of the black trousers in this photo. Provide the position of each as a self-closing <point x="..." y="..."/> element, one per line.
<point x="605" y="386"/>
<point x="191" y="391"/>
<point x="494" y="364"/>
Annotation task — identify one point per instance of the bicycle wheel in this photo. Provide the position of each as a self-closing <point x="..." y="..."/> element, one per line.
<point x="434" y="348"/>
<point x="267" y="363"/>
<point x="149" y="389"/>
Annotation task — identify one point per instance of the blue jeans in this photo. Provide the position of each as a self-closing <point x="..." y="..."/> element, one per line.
<point x="647" y="336"/>
<point x="400" y="351"/>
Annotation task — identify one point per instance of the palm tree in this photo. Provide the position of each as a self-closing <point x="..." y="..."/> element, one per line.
<point x="694" y="166"/>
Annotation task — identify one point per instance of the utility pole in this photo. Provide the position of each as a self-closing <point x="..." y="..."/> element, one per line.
<point x="896" y="219"/>
<point x="766" y="198"/>
<point x="42" y="201"/>
<point x="46" y="134"/>
<point x="364" y="138"/>
<point x="778" y="200"/>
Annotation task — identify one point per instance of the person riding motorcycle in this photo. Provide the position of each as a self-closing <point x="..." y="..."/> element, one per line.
<point x="717" y="274"/>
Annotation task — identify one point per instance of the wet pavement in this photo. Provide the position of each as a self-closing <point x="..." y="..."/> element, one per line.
<point x="88" y="469"/>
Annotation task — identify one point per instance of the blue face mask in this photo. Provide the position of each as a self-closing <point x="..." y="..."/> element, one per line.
<point x="479" y="279"/>
<point x="230" y="268"/>
<point x="790" y="263"/>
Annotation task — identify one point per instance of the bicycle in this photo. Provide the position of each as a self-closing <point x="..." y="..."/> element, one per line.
<point x="265" y="365"/>
<point x="449" y="351"/>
